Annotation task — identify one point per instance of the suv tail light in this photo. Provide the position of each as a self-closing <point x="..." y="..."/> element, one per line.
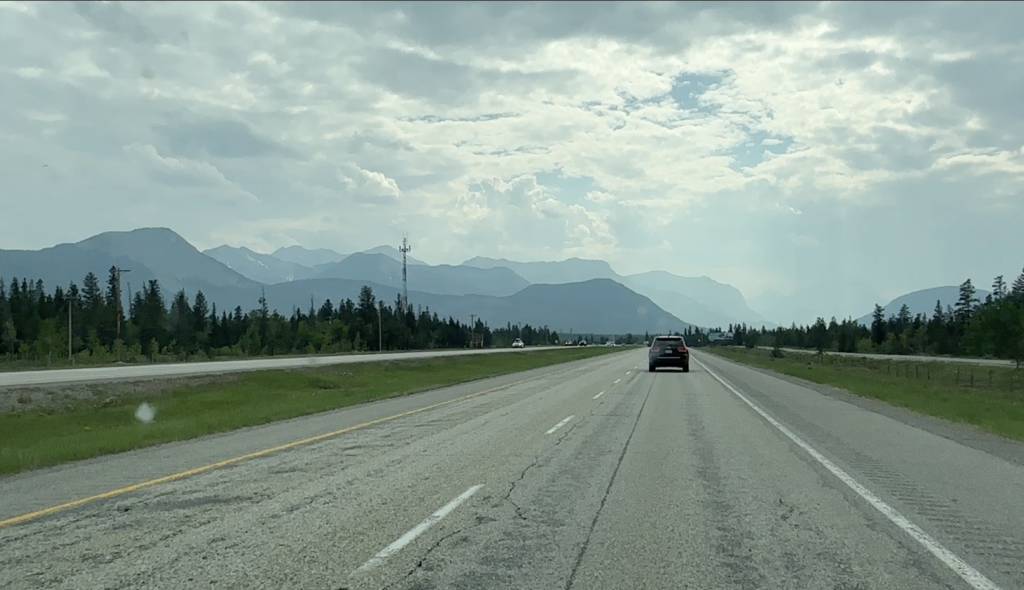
<point x="682" y="349"/>
<point x="655" y="349"/>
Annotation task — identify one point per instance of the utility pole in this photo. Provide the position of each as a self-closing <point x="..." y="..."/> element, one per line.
<point x="119" y="270"/>
<point x="404" y="249"/>
<point x="380" y="327"/>
<point x="70" y="300"/>
<point x="472" y="330"/>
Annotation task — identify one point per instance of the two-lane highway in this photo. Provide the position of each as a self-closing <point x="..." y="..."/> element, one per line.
<point x="596" y="474"/>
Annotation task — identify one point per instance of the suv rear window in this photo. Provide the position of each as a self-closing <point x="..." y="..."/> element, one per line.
<point x="676" y="340"/>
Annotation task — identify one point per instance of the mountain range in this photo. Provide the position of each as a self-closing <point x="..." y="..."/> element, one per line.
<point x="237" y="277"/>
<point x="574" y="294"/>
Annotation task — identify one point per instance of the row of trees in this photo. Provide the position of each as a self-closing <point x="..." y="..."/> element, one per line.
<point x="34" y="324"/>
<point x="993" y="327"/>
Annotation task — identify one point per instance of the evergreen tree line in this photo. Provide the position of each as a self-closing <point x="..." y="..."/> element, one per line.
<point x="993" y="327"/>
<point x="34" y="325"/>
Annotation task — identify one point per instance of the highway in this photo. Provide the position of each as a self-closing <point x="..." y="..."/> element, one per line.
<point x="910" y="357"/>
<point x="590" y="475"/>
<point x="135" y="372"/>
<point x="130" y="372"/>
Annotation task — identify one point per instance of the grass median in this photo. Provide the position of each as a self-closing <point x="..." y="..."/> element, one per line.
<point x="103" y="422"/>
<point x="990" y="398"/>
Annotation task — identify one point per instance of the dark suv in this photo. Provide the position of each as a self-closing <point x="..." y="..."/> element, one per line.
<point x="668" y="351"/>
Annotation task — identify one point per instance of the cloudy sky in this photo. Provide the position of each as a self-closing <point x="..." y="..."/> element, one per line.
<point x="838" y="147"/>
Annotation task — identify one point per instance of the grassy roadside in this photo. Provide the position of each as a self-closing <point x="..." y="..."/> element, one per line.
<point x="106" y="424"/>
<point x="991" y="398"/>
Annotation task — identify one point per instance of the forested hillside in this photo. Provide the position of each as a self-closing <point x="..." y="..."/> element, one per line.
<point x="34" y="325"/>
<point x="993" y="327"/>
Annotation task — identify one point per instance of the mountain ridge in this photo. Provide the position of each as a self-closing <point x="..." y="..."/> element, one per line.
<point x="160" y="253"/>
<point x="923" y="301"/>
<point x="716" y="305"/>
<point x="163" y="255"/>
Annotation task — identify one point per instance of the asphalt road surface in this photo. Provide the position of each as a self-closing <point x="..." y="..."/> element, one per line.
<point x="55" y="376"/>
<point x="591" y="475"/>
<point x="911" y="357"/>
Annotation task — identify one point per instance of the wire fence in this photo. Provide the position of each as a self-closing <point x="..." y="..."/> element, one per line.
<point x="956" y="375"/>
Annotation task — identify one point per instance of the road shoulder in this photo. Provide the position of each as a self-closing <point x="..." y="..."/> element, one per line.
<point x="1006" y="449"/>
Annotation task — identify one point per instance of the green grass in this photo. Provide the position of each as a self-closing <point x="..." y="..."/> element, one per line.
<point x="990" y="398"/>
<point x="32" y="439"/>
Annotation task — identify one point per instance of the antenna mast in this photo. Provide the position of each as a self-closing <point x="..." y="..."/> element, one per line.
<point x="405" y="277"/>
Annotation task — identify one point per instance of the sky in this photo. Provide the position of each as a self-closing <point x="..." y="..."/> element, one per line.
<point x="823" y="150"/>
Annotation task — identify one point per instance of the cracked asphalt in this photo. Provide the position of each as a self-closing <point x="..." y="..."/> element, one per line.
<point x="667" y="481"/>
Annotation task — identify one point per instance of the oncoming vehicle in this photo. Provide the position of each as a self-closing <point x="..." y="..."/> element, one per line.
<point x="517" y="343"/>
<point x="668" y="351"/>
<point x="582" y="343"/>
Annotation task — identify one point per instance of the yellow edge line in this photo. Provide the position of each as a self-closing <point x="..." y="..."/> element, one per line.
<point x="262" y="453"/>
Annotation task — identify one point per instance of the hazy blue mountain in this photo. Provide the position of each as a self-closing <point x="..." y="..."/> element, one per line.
<point x="66" y="263"/>
<point x="262" y="268"/>
<point x="145" y="254"/>
<point x="392" y="253"/>
<point x="923" y="301"/>
<point x="442" y="279"/>
<point x="682" y="306"/>
<point x="572" y="270"/>
<point x="717" y="304"/>
<point x="323" y="256"/>
<point x="168" y="255"/>
<point x="700" y="300"/>
<point x="825" y="299"/>
<point x="597" y="306"/>
<point x="308" y="258"/>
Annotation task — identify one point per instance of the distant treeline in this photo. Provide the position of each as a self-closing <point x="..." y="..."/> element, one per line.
<point x="990" y="328"/>
<point x="34" y="325"/>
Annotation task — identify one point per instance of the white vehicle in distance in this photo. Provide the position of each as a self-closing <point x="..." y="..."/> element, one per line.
<point x="518" y="343"/>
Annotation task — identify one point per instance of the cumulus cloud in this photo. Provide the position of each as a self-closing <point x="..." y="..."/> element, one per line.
<point x="769" y="145"/>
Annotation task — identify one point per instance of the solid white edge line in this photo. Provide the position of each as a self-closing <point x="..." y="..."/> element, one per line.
<point x="973" y="577"/>
<point x="418" y="530"/>
<point x="559" y="425"/>
<point x="598" y="395"/>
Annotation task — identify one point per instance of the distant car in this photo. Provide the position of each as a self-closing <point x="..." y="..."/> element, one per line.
<point x="609" y="343"/>
<point x="668" y="351"/>
<point x="517" y="343"/>
<point x="583" y="343"/>
<point x="568" y="342"/>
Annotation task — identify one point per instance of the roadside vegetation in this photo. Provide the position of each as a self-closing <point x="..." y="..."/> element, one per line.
<point x="49" y="426"/>
<point x="35" y="321"/>
<point x="992" y="328"/>
<point x="990" y="398"/>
